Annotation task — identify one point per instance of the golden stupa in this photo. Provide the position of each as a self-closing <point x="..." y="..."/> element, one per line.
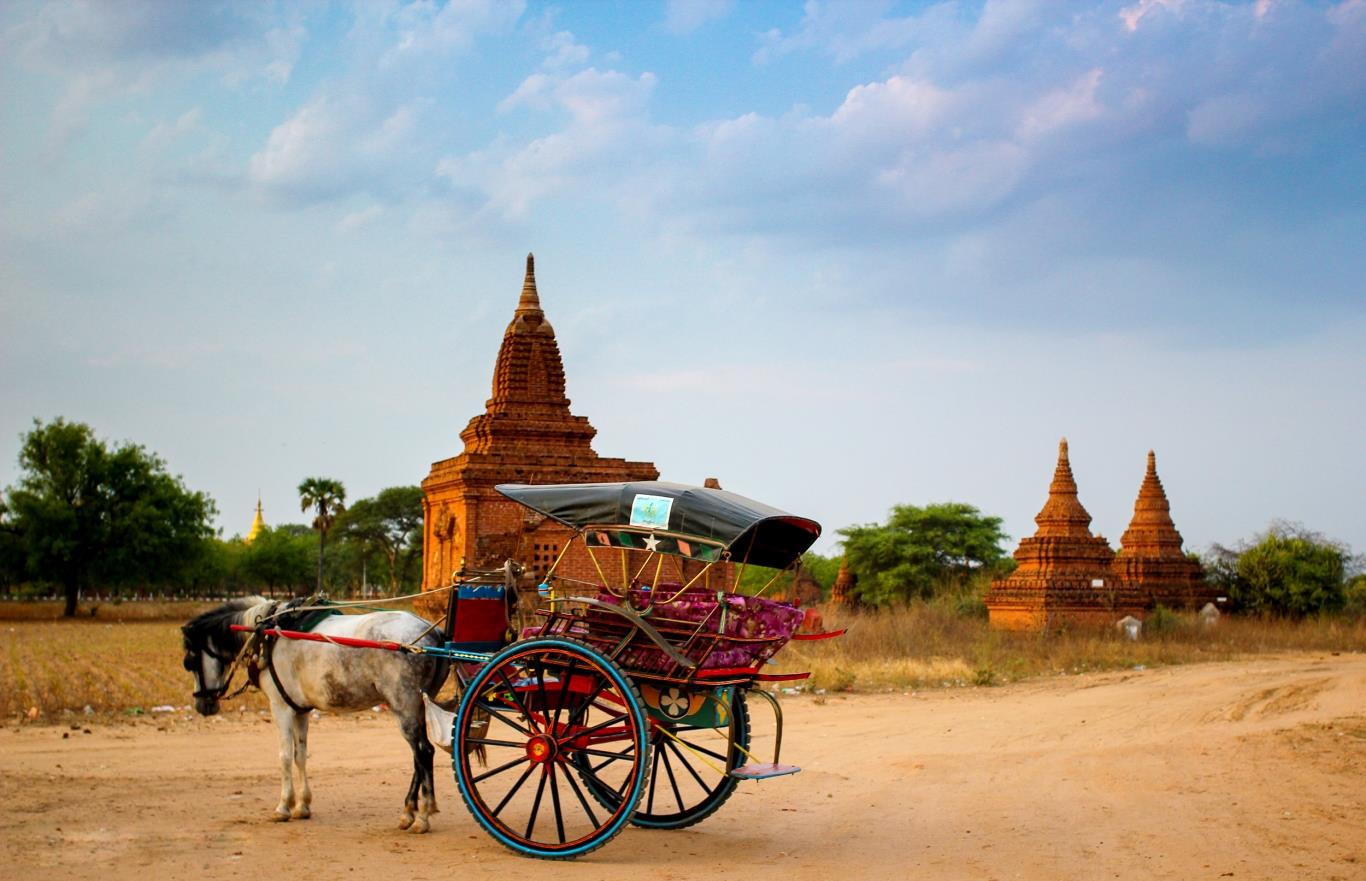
<point x="257" y="524"/>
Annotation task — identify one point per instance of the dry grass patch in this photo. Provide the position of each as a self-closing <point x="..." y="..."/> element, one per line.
<point x="928" y="645"/>
<point x="114" y="668"/>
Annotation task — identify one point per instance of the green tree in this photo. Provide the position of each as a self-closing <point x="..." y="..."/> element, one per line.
<point x="919" y="551"/>
<point x="327" y="498"/>
<point x="86" y="513"/>
<point x="11" y="550"/>
<point x="280" y="558"/>
<point x="390" y="523"/>
<point x="1292" y="572"/>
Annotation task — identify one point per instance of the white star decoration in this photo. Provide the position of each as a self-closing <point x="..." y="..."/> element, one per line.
<point x="652" y="543"/>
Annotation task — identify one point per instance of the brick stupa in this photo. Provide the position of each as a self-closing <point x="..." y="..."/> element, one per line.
<point x="526" y="434"/>
<point x="1150" y="557"/>
<point x="1065" y="574"/>
<point x="842" y="592"/>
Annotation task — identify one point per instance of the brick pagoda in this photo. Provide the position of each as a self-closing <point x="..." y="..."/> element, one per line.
<point x="1065" y="574"/>
<point x="842" y="592"/>
<point x="1150" y="556"/>
<point x="526" y="434"/>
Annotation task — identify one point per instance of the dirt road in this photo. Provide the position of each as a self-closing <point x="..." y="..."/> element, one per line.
<point x="1247" y="770"/>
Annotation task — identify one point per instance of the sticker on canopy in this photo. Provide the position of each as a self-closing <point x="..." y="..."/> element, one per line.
<point x="651" y="512"/>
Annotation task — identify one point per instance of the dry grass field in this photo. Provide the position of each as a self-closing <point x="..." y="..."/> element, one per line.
<point x="930" y="646"/>
<point x="125" y="660"/>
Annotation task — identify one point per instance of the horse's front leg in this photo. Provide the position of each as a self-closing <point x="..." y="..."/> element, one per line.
<point x="303" y="798"/>
<point x="284" y="724"/>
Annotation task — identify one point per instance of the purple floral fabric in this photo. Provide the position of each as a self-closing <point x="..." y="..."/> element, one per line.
<point x="744" y="617"/>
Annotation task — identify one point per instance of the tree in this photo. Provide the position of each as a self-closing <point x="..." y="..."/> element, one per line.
<point x="921" y="550"/>
<point x="1291" y="571"/>
<point x="391" y="523"/>
<point x="327" y="498"/>
<point x="84" y="512"/>
<point x="280" y="557"/>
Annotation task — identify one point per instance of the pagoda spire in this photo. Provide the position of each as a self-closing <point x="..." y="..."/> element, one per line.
<point x="258" y="522"/>
<point x="1151" y="532"/>
<point x="1062" y="514"/>
<point x="528" y="402"/>
<point x="530" y="300"/>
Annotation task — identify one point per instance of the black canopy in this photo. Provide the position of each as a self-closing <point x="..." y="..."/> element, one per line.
<point x="752" y="531"/>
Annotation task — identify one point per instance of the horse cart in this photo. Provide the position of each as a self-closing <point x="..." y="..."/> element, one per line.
<point x="629" y="697"/>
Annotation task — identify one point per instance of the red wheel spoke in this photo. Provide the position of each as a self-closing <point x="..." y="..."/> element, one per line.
<point x="517" y="698"/>
<point x="486" y="742"/>
<point x="513" y="791"/>
<point x="564" y="692"/>
<point x="500" y="769"/>
<point x="555" y="799"/>
<point x="573" y="784"/>
<point x="509" y="722"/>
<point x="583" y="732"/>
<point x="536" y="805"/>
<point x="607" y="753"/>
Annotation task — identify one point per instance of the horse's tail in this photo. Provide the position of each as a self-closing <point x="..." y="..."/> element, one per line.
<point x="438" y="668"/>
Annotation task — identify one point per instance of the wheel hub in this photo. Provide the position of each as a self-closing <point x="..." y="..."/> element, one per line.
<point x="540" y="748"/>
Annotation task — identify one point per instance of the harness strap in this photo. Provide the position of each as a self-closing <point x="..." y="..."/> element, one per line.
<point x="275" y="677"/>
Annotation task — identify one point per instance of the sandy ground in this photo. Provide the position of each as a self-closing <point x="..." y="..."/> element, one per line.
<point x="1248" y="770"/>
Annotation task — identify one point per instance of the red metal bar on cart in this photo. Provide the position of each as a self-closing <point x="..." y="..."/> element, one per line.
<point x="348" y="641"/>
<point x="726" y="672"/>
<point x="781" y="677"/>
<point x="830" y="635"/>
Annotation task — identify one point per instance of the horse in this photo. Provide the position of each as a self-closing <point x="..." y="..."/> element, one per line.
<point x="303" y="676"/>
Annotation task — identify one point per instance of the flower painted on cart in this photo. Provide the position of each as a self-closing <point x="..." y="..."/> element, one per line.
<point x="674" y="703"/>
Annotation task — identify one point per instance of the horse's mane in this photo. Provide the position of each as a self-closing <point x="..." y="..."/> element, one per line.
<point x="215" y="622"/>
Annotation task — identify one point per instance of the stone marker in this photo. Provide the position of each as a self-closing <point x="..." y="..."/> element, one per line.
<point x="1209" y="615"/>
<point x="1130" y="626"/>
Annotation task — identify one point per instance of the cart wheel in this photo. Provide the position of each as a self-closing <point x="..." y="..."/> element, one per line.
<point x="684" y="785"/>
<point x="541" y="710"/>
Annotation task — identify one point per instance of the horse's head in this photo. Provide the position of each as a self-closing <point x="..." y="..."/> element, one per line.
<point x="210" y="647"/>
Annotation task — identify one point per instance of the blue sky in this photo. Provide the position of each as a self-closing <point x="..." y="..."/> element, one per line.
<point x="839" y="255"/>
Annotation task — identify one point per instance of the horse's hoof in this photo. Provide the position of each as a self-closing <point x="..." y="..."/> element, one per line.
<point x="280" y="816"/>
<point x="405" y="821"/>
<point x="420" y="825"/>
<point x="300" y="814"/>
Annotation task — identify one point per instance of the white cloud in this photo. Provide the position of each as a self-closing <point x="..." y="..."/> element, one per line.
<point x="334" y="146"/>
<point x="1133" y="15"/>
<point x="164" y="134"/>
<point x="427" y="27"/>
<point x="563" y="51"/>
<point x="100" y="50"/>
<point x="685" y="16"/>
<point x="358" y="219"/>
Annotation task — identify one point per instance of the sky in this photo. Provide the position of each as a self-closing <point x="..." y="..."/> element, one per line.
<point x="841" y="256"/>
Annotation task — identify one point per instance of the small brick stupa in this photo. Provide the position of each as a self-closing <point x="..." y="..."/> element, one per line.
<point x="1150" y="556"/>
<point x="526" y="434"/>
<point x="842" y="592"/>
<point x="1065" y="574"/>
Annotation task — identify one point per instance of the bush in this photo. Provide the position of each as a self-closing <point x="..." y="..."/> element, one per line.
<point x="1291" y="572"/>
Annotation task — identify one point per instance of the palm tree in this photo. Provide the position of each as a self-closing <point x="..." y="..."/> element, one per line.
<point x="326" y="497"/>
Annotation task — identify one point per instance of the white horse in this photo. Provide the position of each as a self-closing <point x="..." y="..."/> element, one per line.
<point x="299" y="676"/>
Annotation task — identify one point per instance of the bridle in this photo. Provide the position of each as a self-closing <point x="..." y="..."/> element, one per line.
<point x="229" y="661"/>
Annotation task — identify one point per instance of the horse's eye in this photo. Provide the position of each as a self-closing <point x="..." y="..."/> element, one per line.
<point x="189" y="662"/>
